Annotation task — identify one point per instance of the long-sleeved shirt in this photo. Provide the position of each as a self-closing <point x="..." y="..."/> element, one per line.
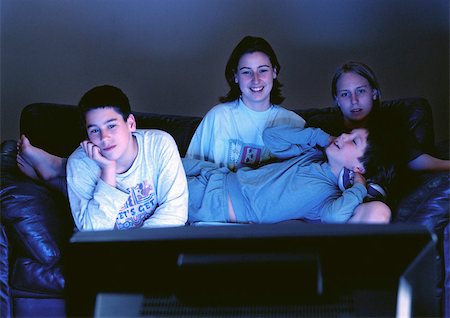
<point x="301" y="187"/>
<point x="230" y="134"/>
<point x="153" y="192"/>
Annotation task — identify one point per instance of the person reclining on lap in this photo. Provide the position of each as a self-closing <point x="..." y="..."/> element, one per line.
<point x="302" y="185"/>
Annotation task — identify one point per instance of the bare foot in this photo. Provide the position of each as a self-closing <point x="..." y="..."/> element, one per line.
<point x="45" y="165"/>
<point x="26" y="168"/>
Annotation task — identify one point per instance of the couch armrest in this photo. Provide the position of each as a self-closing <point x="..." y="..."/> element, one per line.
<point x="38" y="224"/>
<point x="446" y="284"/>
<point x="5" y="292"/>
<point x="428" y="203"/>
<point x="37" y="220"/>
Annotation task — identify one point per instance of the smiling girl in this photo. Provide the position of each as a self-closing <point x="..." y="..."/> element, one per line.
<point x="230" y="134"/>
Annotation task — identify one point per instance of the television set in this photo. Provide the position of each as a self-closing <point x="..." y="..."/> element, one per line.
<point x="279" y="270"/>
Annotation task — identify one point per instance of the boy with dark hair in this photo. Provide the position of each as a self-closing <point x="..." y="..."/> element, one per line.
<point x="303" y="185"/>
<point x="121" y="177"/>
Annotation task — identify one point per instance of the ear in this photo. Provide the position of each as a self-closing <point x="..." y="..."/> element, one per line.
<point x="336" y="102"/>
<point x="236" y="78"/>
<point x="131" y="122"/>
<point x="374" y="94"/>
<point x="275" y="73"/>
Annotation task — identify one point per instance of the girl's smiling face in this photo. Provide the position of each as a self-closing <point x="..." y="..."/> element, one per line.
<point x="255" y="75"/>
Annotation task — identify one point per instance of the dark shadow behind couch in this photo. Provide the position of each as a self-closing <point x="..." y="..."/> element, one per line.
<point x="36" y="222"/>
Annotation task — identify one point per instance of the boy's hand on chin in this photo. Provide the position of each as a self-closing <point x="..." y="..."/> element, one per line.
<point x="359" y="178"/>
<point x="93" y="152"/>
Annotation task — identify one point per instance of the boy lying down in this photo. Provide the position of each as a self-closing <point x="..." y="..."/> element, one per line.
<point x="302" y="184"/>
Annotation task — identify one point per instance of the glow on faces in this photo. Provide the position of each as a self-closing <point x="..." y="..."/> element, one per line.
<point x="107" y="129"/>
<point x="346" y="150"/>
<point x="255" y="75"/>
<point x="354" y="96"/>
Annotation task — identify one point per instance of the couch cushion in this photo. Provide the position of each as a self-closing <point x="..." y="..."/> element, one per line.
<point x="39" y="307"/>
<point x="181" y="128"/>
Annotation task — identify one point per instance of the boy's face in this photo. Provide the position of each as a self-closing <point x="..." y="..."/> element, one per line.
<point x="107" y="129"/>
<point x="346" y="150"/>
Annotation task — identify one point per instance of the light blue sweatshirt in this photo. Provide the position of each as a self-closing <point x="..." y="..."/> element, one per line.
<point x="301" y="187"/>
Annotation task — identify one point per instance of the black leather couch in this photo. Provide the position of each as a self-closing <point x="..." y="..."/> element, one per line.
<point x="36" y="222"/>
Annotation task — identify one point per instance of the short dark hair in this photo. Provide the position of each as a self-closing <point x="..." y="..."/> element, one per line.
<point x="105" y="96"/>
<point x="251" y="44"/>
<point x="360" y="69"/>
<point x="377" y="160"/>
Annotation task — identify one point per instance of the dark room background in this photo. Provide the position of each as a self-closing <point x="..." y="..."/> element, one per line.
<point x="169" y="55"/>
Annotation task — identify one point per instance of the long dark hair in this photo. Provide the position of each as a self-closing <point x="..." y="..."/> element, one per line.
<point x="251" y="44"/>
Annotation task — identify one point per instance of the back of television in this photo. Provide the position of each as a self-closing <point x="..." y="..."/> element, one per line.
<point x="281" y="270"/>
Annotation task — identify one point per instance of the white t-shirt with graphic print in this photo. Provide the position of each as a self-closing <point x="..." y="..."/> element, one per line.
<point x="153" y="192"/>
<point x="230" y="134"/>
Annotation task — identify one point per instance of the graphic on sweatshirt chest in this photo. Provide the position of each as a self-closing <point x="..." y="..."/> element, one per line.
<point x="242" y="154"/>
<point x="139" y="207"/>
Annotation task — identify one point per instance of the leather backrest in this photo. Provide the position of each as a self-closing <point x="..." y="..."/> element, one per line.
<point x="58" y="128"/>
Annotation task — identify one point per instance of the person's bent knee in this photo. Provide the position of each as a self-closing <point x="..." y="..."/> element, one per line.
<point x="375" y="212"/>
<point x="381" y="213"/>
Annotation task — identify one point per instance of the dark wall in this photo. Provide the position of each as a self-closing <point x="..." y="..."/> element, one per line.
<point x="169" y="55"/>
